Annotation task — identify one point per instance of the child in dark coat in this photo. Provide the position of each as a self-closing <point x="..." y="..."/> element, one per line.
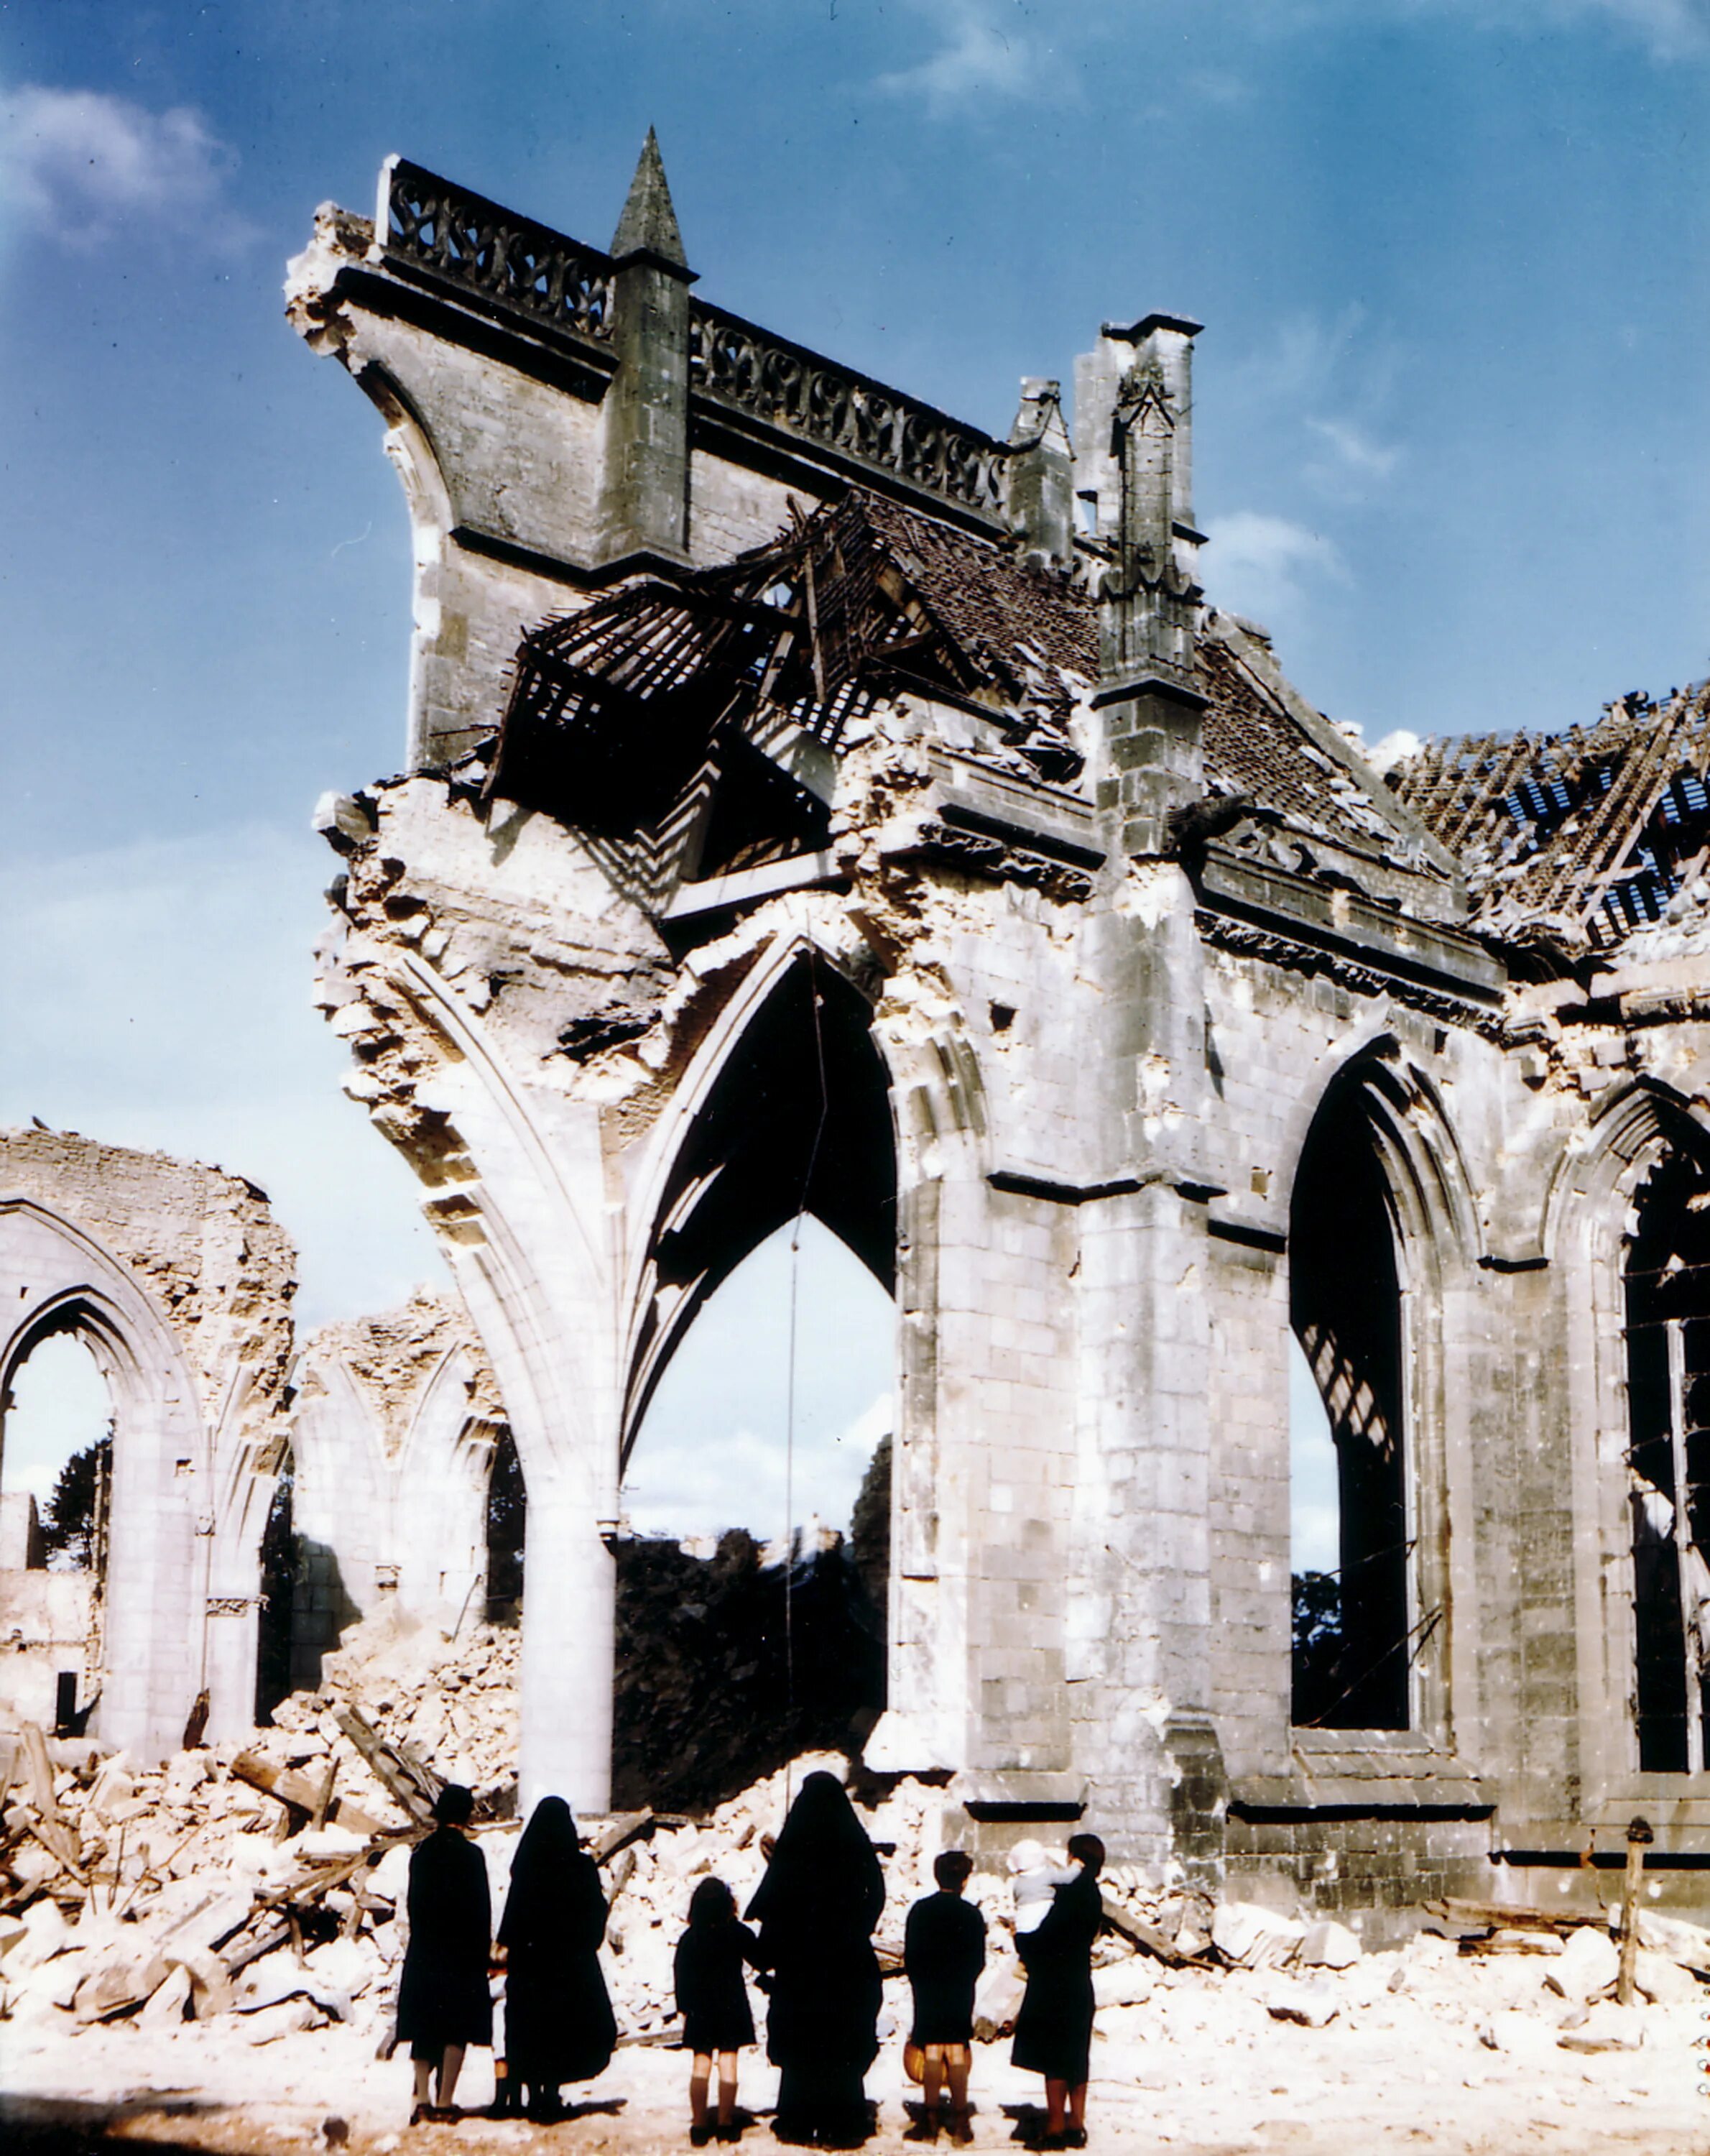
<point x="944" y="1951"/>
<point x="444" y="2003"/>
<point x="712" y="1998"/>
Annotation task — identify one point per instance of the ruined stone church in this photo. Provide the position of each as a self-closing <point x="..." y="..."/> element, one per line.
<point x="816" y="804"/>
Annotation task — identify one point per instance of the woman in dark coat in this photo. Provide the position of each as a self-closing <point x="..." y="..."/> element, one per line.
<point x="443" y="2003"/>
<point x="815" y="1909"/>
<point x="1054" y="2027"/>
<point x="559" y="2025"/>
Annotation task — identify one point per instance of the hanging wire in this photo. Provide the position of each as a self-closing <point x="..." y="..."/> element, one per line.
<point x="1411" y="1642"/>
<point x="819" y="1054"/>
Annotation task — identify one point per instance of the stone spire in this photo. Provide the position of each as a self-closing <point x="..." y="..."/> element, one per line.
<point x="648" y="224"/>
<point x="644" y="415"/>
<point x="1135" y="418"/>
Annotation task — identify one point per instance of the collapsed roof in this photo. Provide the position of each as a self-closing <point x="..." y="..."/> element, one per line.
<point x="710" y="693"/>
<point x="1572" y="843"/>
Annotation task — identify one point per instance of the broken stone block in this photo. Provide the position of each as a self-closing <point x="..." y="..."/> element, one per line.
<point x="287" y="2018"/>
<point x="197" y="1911"/>
<point x="1664" y="1981"/>
<point x="1253" y="1937"/>
<point x="185" y="1773"/>
<point x="166" y="2003"/>
<point x="1129" y="1983"/>
<point x="342" y="821"/>
<point x="344" y="1966"/>
<point x="210" y="1981"/>
<point x="1607" y="2028"/>
<point x="1329" y="1945"/>
<point x="1586" y="1966"/>
<point x="41" y="1932"/>
<point x="1688" y="1944"/>
<point x="117" y="1984"/>
<point x="1313" y="2006"/>
<point x="997" y="1999"/>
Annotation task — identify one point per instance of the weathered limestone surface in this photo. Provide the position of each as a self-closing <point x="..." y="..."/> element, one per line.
<point x="393" y="1423"/>
<point x="180" y="1281"/>
<point x="1109" y="932"/>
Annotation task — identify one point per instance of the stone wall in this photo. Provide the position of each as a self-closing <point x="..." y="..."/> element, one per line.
<point x="180" y="1282"/>
<point x="1110" y="921"/>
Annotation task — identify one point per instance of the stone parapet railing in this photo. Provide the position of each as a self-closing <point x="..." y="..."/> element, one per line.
<point x="428" y="224"/>
<point x="425" y="226"/>
<point x="768" y="378"/>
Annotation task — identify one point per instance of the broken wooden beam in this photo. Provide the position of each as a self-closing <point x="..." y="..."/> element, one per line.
<point x="617" y="1832"/>
<point x="400" y="1773"/>
<point x="301" y="1793"/>
<point x="1494" y="1916"/>
<point x="1139" y="1934"/>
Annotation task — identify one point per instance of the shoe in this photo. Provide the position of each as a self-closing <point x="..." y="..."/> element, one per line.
<point x="421" y="2114"/>
<point x="699" y="2136"/>
<point x="1075" y="2137"/>
<point x="924" y="2129"/>
<point x="727" y="2130"/>
<point x="961" y="2128"/>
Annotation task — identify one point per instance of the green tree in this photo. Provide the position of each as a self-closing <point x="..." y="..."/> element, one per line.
<point x="77" y="1510"/>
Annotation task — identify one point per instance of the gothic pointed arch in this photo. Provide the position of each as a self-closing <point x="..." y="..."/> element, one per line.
<point x="1382" y="1220"/>
<point x="788" y="1112"/>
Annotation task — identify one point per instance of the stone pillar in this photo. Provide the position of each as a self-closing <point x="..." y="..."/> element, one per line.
<point x="569" y="1614"/>
<point x="644" y="448"/>
<point x="232" y="1625"/>
<point x="1140" y="1626"/>
<point x="1040" y="497"/>
<point x="1139" y="1633"/>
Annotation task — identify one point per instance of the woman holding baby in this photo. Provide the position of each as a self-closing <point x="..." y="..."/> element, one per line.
<point x="1054" y="2027"/>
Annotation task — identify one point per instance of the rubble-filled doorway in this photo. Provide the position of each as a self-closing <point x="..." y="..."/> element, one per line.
<point x="753" y="1590"/>
<point x="1351" y="1641"/>
<point x="507" y="1532"/>
<point x="1668" y="1402"/>
<point x="278" y="1617"/>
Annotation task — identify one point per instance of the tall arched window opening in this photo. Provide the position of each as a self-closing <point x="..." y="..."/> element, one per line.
<point x="277" y="1625"/>
<point x="1351" y="1646"/>
<point x="507" y="1531"/>
<point x="753" y="1585"/>
<point x="56" y="1480"/>
<point x="1668" y="1405"/>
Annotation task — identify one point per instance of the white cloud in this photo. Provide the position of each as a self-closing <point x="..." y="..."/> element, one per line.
<point x="1263" y="566"/>
<point x="986" y="52"/>
<point x="1356" y="453"/>
<point x="86" y="165"/>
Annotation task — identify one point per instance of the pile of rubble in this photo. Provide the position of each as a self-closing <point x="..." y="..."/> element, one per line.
<point x="264" y="1887"/>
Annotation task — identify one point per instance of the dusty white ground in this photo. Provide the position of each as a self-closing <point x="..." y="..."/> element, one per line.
<point x="1200" y="2066"/>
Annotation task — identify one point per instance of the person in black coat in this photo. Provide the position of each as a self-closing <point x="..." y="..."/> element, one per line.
<point x="1054" y="2027"/>
<point x="816" y="1908"/>
<point x="559" y="2025"/>
<point x="443" y="2003"/>
<point x="713" y="2000"/>
<point x="944" y="1951"/>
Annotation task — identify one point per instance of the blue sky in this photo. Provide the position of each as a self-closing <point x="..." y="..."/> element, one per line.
<point x="1453" y="258"/>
